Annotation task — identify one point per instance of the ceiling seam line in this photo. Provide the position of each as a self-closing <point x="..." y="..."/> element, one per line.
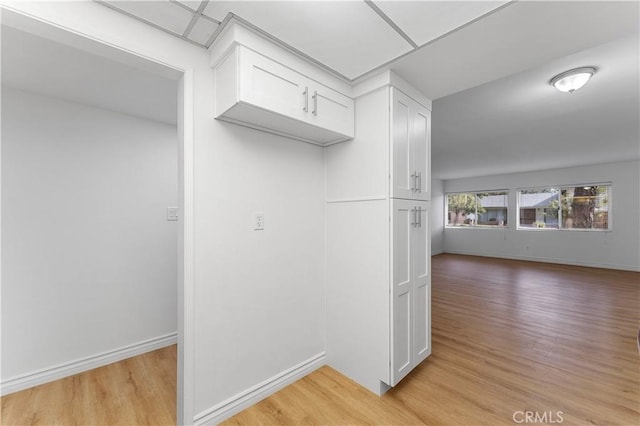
<point x="184" y="6"/>
<point x="192" y="23"/>
<point x="144" y="21"/>
<point x="187" y="8"/>
<point x="484" y="15"/>
<point x="209" y="18"/>
<point x="218" y="30"/>
<point x="196" y="15"/>
<point x="233" y="17"/>
<point x="390" y="22"/>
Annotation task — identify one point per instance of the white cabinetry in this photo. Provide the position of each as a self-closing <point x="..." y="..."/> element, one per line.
<point x="378" y="241"/>
<point x="411" y="134"/>
<point x="255" y="91"/>
<point x="411" y="290"/>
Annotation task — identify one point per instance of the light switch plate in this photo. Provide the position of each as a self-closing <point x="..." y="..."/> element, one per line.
<point x="172" y="213"/>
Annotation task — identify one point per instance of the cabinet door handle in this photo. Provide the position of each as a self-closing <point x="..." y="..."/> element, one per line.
<point x="305" y="108"/>
<point x="419" y="217"/>
<point x="414" y="223"/>
<point x="413" y="182"/>
<point x="419" y="179"/>
<point x="315" y="103"/>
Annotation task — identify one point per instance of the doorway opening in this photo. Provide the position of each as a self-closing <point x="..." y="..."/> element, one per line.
<point x="91" y="204"/>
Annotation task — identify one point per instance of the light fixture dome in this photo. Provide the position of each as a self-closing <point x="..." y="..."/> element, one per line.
<point x="572" y="80"/>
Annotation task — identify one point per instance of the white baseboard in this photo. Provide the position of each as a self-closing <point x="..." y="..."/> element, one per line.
<point x="45" y="375"/>
<point x="557" y="261"/>
<point x="255" y="394"/>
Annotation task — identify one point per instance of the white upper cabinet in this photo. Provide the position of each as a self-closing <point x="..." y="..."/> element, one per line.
<point x="256" y="91"/>
<point x="265" y="84"/>
<point x="330" y="109"/>
<point x="410" y="134"/>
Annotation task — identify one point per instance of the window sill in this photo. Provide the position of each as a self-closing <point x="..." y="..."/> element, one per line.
<point x="562" y="230"/>
<point x="477" y="227"/>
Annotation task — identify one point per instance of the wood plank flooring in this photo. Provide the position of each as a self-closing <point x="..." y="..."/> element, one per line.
<point x="136" y="391"/>
<point x="508" y="337"/>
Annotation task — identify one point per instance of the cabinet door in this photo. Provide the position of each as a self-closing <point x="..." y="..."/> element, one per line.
<point x="421" y="150"/>
<point x="330" y="109"/>
<point x="403" y="224"/>
<point x="269" y="85"/>
<point x="420" y="247"/>
<point x="402" y="181"/>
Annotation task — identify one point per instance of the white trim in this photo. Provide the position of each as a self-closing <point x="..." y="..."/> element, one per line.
<point x="573" y="262"/>
<point x="503" y="227"/>
<point x="1" y="21"/>
<point x="45" y="375"/>
<point x="389" y="78"/>
<point x="406" y="88"/>
<point x="325" y="264"/>
<point x="376" y="82"/>
<point x="569" y="185"/>
<point x="45" y="27"/>
<point x="340" y="138"/>
<point x="41" y="19"/>
<point x="357" y="199"/>
<point x="237" y="30"/>
<point x="533" y="229"/>
<point x="186" y="257"/>
<point x="255" y="394"/>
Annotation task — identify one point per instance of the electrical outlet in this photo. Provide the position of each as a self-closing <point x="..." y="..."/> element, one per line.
<point x="258" y="221"/>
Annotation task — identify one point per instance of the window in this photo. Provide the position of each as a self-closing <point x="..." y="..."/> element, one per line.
<point x="477" y="209"/>
<point x="570" y="207"/>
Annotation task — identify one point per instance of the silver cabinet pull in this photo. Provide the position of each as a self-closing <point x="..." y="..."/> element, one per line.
<point x="315" y="103"/>
<point x="305" y="108"/>
<point x="419" y="179"/>
<point x="419" y="217"/>
<point x="413" y="217"/>
<point x="413" y="182"/>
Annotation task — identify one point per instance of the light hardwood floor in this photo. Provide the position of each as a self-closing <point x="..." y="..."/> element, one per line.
<point x="135" y="391"/>
<point x="508" y="337"/>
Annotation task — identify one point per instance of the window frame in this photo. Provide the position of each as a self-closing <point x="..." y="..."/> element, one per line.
<point x="475" y="193"/>
<point x="609" y="228"/>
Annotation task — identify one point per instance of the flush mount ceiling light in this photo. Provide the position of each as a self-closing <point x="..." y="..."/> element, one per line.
<point x="572" y="80"/>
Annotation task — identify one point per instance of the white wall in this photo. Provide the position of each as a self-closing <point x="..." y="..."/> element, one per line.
<point x="618" y="248"/>
<point x="437" y="216"/>
<point x="259" y="296"/>
<point x="256" y="306"/>
<point x="89" y="259"/>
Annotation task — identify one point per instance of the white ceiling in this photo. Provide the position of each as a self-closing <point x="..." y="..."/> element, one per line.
<point x="351" y="37"/>
<point x="182" y="19"/>
<point x="348" y="37"/>
<point x="518" y="37"/>
<point x="521" y="123"/>
<point x="485" y="63"/>
<point x="424" y="21"/>
<point x="39" y="65"/>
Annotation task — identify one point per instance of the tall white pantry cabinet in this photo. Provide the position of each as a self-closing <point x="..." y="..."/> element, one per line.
<point x="378" y="242"/>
